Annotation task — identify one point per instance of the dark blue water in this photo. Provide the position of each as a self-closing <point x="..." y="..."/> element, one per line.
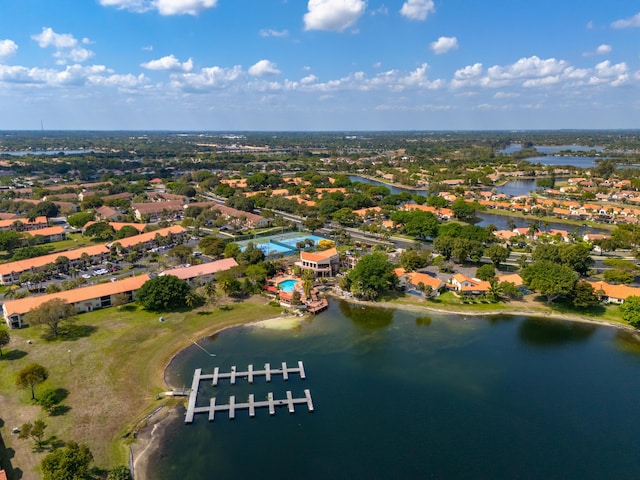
<point x="579" y="162"/>
<point x="406" y="395"/>
<point x="502" y="222"/>
<point x="516" y="188"/>
<point x="392" y="189"/>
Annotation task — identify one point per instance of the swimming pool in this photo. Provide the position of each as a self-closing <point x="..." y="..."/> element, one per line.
<point x="287" y="285"/>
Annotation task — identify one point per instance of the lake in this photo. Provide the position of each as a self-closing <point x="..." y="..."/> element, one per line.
<point x="578" y="162"/>
<point x="517" y="188"/>
<point x="502" y="221"/>
<point x="551" y="149"/>
<point x="394" y="190"/>
<point x="406" y="395"/>
<point x="16" y="153"/>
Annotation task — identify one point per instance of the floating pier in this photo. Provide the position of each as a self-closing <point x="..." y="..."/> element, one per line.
<point x="250" y="374"/>
<point x="290" y="402"/>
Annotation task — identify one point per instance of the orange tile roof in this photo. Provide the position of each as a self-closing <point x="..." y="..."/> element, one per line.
<point x="9" y="223"/>
<point x="615" y="291"/>
<point x="399" y="271"/>
<point x="319" y="256"/>
<point x="481" y="286"/>
<point x="76" y="295"/>
<point x="511" y="278"/>
<point x="149" y="236"/>
<point x="363" y="211"/>
<point x="415" y="278"/>
<point x="424" y="208"/>
<point x="29" y="263"/>
<point x="117" y="226"/>
<point x="45" y="232"/>
<point x="193" y="271"/>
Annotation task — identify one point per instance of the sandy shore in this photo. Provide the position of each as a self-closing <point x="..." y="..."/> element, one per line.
<point x="520" y="312"/>
<point x="150" y="428"/>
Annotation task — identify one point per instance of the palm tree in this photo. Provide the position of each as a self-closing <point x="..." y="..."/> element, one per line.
<point x="226" y="284"/>
<point x="10" y="293"/>
<point x="307" y="285"/>
<point x="192" y="299"/>
<point x="210" y="292"/>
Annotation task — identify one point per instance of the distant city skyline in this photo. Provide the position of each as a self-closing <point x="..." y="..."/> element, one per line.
<point x="319" y="65"/>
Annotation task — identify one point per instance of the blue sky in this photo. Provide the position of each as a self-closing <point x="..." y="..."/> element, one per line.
<point x="319" y="64"/>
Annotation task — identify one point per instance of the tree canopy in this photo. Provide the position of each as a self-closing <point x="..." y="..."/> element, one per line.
<point x="163" y="293"/>
<point x="30" y="376"/>
<point x="550" y="279"/>
<point x="100" y="231"/>
<point x="125" y="232"/>
<point x="5" y="338"/>
<point x="372" y="276"/>
<point x="631" y="310"/>
<point x="68" y="463"/>
<point x="52" y="313"/>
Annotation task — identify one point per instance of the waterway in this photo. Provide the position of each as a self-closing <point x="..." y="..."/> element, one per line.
<point x="406" y="395"/>
<point x="552" y="149"/>
<point x="24" y="153"/>
<point x="562" y="161"/>
<point x="502" y="223"/>
<point x="393" y="189"/>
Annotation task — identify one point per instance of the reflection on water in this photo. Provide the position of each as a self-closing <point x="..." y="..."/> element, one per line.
<point x="466" y="397"/>
<point x="365" y="317"/>
<point x="628" y="341"/>
<point x="544" y="332"/>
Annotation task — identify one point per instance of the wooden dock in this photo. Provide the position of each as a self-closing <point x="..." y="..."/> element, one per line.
<point x="290" y="402"/>
<point x="250" y="373"/>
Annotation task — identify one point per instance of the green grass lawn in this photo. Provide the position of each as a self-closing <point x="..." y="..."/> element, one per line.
<point x="450" y="302"/>
<point x="111" y="362"/>
<point x="74" y="240"/>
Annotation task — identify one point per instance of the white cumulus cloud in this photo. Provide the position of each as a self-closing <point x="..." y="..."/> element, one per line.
<point x="66" y="46"/>
<point x="630" y="22"/>
<point x="170" y="63"/>
<point x="164" y="7"/>
<point x="7" y="48"/>
<point x="49" y="38"/>
<point x="263" y="67"/>
<point x="603" y="49"/>
<point x="209" y="78"/>
<point x="77" y="55"/>
<point x="333" y="15"/>
<point x="183" y="7"/>
<point x="309" y="79"/>
<point x="417" y="9"/>
<point x="444" y="45"/>
<point x="268" y="32"/>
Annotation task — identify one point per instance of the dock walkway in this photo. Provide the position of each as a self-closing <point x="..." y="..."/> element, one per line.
<point x="252" y="404"/>
<point x="250" y="373"/>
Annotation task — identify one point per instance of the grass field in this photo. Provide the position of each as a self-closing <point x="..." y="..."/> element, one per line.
<point x="111" y="363"/>
<point x="529" y="304"/>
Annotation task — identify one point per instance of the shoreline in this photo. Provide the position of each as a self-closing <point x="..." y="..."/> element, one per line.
<point x="149" y="429"/>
